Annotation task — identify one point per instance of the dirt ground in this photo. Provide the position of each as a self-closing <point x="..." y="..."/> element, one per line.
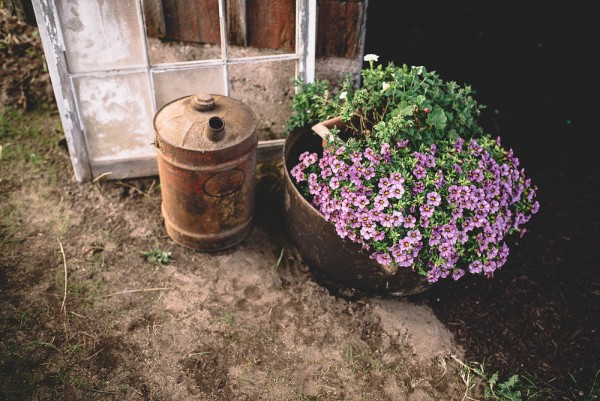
<point x="84" y="315"/>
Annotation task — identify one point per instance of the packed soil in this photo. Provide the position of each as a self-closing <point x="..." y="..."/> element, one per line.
<point x="86" y="314"/>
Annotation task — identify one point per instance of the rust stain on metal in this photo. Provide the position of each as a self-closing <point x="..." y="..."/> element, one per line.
<point x="206" y="151"/>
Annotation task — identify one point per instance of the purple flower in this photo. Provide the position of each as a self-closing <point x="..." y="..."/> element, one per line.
<point x="379" y="236"/>
<point x="426" y="210"/>
<point x="369" y="172"/>
<point x="326" y="172"/>
<point x="419" y="171"/>
<point x="418" y="187"/>
<point x="402" y="143"/>
<point x="457" y="274"/>
<point x="361" y="202"/>
<point x="298" y="173"/>
<point x="396" y="178"/>
<point x="386" y="220"/>
<point x="475" y="175"/>
<point x="367" y="231"/>
<point x="309" y="159"/>
<point x="380" y="202"/>
<point x="384" y="183"/>
<point x="383" y="258"/>
<point x="465" y="208"/>
<point x="398" y="219"/>
<point x="489" y="267"/>
<point x="414" y="236"/>
<point x="356" y="157"/>
<point x="433" y="198"/>
<point x="409" y="221"/>
<point x="405" y="244"/>
<point x="396" y="191"/>
<point x="476" y="267"/>
<point x="385" y="151"/>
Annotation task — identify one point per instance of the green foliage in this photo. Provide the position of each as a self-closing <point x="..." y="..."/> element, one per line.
<point x="312" y="103"/>
<point x="515" y="388"/>
<point x="156" y="255"/>
<point x="503" y="391"/>
<point x="394" y="103"/>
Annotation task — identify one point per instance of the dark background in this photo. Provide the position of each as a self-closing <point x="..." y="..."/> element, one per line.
<point x="530" y="64"/>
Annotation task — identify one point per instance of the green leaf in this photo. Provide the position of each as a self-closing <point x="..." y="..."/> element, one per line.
<point x="404" y="109"/>
<point x="437" y="118"/>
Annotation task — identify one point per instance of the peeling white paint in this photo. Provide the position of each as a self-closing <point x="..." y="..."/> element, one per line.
<point x="101" y="35"/>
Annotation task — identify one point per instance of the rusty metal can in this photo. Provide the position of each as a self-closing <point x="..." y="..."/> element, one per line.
<point x="206" y="151"/>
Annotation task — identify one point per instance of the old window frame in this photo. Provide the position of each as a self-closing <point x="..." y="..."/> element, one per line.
<point x="63" y="83"/>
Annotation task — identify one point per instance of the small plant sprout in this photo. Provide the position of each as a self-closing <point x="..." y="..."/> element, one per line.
<point x="156" y="255"/>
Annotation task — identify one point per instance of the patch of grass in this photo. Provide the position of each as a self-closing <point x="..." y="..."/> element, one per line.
<point x="363" y="360"/>
<point x="228" y="318"/>
<point x="9" y="224"/>
<point x="24" y="136"/>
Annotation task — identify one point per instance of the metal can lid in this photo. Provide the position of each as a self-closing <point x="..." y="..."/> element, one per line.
<point x="205" y="122"/>
<point x="203" y="102"/>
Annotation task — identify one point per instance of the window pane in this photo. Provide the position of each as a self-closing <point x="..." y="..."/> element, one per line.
<point x="171" y="85"/>
<point x="258" y="28"/>
<point x="267" y="88"/>
<point x="116" y="112"/>
<point x="182" y="30"/>
<point x="101" y="35"/>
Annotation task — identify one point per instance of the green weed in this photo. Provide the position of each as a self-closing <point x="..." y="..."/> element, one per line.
<point x="514" y="388"/>
<point x="156" y="255"/>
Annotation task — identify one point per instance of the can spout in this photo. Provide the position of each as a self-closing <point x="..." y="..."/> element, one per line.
<point x="215" y="129"/>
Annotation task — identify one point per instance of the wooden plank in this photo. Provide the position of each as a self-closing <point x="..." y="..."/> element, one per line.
<point x="192" y="20"/>
<point x="271" y="24"/>
<point x="269" y="150"/>
<point x="154" y="18"/>
<point x="237" y="32"/>
<point x="340" y="27"/>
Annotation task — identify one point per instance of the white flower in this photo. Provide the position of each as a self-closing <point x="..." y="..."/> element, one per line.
<point x="343" y="95"/>
<point x="385" y="86"/>
<point x="371" y="57"/>
<point x="418" y="69"/>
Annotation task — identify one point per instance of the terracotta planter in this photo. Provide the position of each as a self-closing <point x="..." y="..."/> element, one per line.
<point x="335" y="260"/>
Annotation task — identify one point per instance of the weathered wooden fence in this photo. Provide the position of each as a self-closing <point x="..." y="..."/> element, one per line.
<point x="258" y="23"/>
